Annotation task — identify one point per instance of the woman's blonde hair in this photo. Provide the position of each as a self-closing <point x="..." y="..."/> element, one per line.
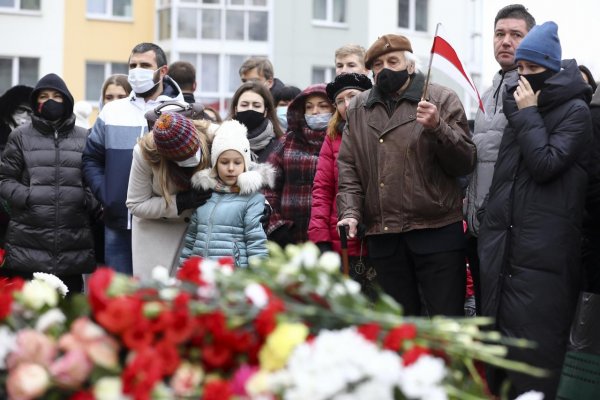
<point x="163" y="165"/>
<point x="332" y="126"/>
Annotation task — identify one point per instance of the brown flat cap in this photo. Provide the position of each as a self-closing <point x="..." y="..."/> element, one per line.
<point x="386" y="44"/>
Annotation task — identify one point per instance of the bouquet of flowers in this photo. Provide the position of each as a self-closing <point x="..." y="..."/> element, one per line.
<point x="288" y="327"/>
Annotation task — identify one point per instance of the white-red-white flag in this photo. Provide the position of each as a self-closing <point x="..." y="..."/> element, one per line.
<point x="449" y="62"/>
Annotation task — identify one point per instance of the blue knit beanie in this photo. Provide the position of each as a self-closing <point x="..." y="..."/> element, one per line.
<point x="541" y="46"/>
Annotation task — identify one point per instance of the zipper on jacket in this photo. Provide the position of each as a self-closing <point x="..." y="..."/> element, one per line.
<point x="56" y="196"/>
<point x="210" y="224"/>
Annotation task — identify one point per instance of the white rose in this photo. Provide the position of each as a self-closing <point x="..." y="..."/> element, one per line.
<point x="330" y="261"/>
<point x="257" y="294"/>
<point x="38" y="293"/>
<point x="109" y="388"/>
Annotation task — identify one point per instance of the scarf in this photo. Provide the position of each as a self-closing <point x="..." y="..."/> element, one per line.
<point x="260" y="137"/>
<point x="181" y="176"/>
<point x="221" y="187"/>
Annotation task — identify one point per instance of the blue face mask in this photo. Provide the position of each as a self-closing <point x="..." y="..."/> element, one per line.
<point x="282" y="117"/>
<point x="317" y="122"/>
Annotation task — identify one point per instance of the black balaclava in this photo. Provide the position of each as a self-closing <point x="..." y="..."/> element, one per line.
<point x="55" y="82"/>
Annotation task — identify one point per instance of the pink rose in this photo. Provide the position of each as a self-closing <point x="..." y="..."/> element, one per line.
<point x="104" y="352"/>
<point x="33" y="347"/>
<point x="85" y="330"/>
<point x="69" y="342"/>
<point x="72" y="369"/>
<point x="27" y="381"/>
<point x="187" y="379"/>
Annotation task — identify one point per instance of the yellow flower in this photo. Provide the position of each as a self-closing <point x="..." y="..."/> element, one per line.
<point x="280" y="344"/>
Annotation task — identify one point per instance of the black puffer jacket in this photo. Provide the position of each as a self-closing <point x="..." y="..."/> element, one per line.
<point x="41" y="178"/>
<point x="530" y="236"/>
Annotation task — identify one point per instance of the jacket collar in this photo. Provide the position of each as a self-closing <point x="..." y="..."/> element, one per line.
<point x="412" y="93"/>
<point x="45" y="127"/>
<point x="249" y="182"/>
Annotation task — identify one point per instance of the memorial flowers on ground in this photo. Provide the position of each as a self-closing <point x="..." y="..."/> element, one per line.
<point x="288" y="327"/>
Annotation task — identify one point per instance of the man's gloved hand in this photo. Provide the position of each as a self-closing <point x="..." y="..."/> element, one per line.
<point x="324" y="246"/>
<point x="282" y="236"/>
<point x="192" y="198"/>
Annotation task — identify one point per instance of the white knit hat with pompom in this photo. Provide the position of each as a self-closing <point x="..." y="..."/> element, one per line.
<point x="231" y="135"/>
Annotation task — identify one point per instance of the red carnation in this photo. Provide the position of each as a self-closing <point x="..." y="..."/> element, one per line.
<point x="412" y="355"/>
<point x="396" y="337"/>
<point x="138" y="336"/>
<point x="215" y="356"/>
<point x="181" y="327"/>
<point x="217" y="389"/>
<point x="7" y="288"/>
<point x="120" y="314"/>
<point x="97" y="286"/>
<point x="81" y="395"/>
<point x="369" y="331"/>
<point x="265" y="321"/>
<point x="190" y="271"/>
<point x="141" y="374"/>
<point x="169" y="357"/>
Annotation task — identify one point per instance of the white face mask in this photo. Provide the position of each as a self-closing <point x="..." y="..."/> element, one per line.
<point x="141" y="79"/>
<point x="193" y="161"/>
<point x="22" y="116"/>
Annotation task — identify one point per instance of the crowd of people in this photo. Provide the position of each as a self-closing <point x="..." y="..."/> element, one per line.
<point x="380" y="150"/>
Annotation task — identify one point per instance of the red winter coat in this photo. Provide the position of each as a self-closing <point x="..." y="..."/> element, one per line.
<point x="323" y="213"/>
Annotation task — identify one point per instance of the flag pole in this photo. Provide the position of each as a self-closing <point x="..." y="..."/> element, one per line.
<point x="423" y="97"/>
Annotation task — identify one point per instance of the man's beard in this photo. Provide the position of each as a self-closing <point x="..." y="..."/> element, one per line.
<point x="152" y="91"/>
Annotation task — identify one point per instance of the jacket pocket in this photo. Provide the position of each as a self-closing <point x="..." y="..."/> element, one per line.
<point x="547" y="239"/>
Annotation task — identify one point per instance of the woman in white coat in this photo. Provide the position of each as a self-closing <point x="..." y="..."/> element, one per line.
<point x="160" y="196"/>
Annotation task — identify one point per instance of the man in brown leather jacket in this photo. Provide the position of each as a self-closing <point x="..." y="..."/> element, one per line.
<point x="398" y="168"/>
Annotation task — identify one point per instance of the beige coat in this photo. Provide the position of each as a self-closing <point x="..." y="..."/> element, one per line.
<point x="157" y="231"/>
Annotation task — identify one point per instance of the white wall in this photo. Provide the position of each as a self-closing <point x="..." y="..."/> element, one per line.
<point x="299" y="44"/>
<point x="36" y="35"/>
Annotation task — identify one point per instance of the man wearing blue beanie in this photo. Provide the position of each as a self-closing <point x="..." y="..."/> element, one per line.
<point x="530" y="234"/>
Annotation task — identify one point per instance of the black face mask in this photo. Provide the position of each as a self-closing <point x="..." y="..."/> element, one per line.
<point x="52" y="110"/>
<point x="250" y="118"/>
<point x="391" y="81"/>
<point x="538" y="81"/>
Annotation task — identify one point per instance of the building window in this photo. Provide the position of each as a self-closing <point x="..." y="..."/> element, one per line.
<point x="322" y="74"/>
<point x="164" y="24"/>
<point x="244" y="20"/>
<point x="109" y="8"/>
<point x="20" y="5"/>
<point x="412" y="15"/>
<point x="217" y="77"/>
<point x="18" y="71"/>
<point x="95" y="75"/>
<point x="329" y="11"/>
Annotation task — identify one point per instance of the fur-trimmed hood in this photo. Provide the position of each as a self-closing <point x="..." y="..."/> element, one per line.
<point x="251" y="181"/>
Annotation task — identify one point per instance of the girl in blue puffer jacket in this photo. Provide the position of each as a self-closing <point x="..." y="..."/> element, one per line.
<point x="229" y="225"/>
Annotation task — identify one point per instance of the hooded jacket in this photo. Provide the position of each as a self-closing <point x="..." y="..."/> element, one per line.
<point x="41" y="178"/>
<point x="295" y="162"/>
<point x="530" y="234"/>
<point x="228" y="224"/>
<point x="109" y="150"/>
